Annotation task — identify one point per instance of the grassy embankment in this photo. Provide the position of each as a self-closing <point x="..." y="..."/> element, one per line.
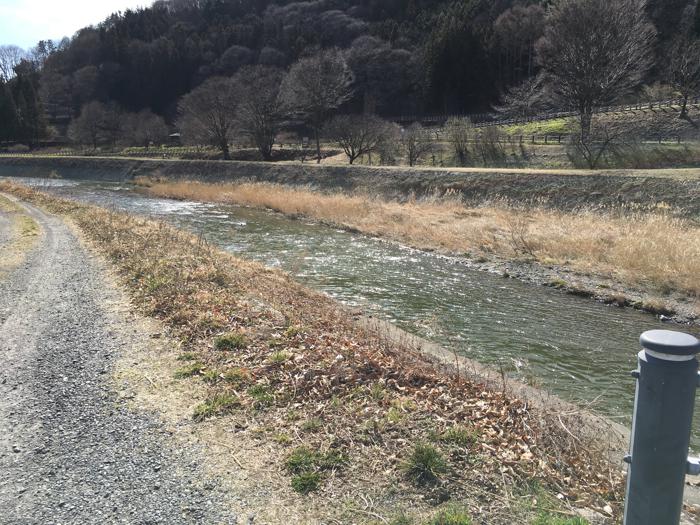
<point x="19" y="235"/>
<point x="650" y="251"/>
<point x="345" y="424"/>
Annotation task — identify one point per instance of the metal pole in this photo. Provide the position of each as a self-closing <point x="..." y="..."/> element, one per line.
<point x="667" y="379"/>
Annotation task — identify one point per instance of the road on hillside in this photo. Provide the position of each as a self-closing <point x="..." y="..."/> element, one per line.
<point x="70" y="450"/>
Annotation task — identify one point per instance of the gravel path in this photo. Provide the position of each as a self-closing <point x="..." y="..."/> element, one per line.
<point x="70" y="450"/>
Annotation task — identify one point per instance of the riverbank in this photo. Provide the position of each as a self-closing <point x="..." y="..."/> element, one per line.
<point x="623" y="257"/>
<point x="564" y="190"/>
<point x="330" y="418"/>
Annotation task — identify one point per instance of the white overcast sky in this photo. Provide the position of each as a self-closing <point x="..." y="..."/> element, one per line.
<point x="25" y="22"/>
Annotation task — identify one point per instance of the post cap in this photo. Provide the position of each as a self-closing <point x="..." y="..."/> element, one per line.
<point x="669" y="342"/>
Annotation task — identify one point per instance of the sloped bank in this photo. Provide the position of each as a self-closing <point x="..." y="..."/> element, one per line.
<point x="561" y="189"/>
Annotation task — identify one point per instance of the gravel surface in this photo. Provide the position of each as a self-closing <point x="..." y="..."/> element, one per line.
<point x="70" y="450"/>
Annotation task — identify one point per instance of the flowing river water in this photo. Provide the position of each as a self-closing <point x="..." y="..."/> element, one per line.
<point x="573" y="347"/>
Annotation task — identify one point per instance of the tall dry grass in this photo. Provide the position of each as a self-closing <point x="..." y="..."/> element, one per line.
<point x="654" y="250"/>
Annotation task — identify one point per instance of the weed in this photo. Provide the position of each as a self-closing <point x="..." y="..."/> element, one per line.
<point x="377" y="391"/>
<point x="279" y="357"/>
<point x="546" y="518"/>
<point x="230" y="341"/>
<point x="293" y="331"/>
<point x="312" y="425"/>
<point x="458" y="435"/>
<point x="451" y="516"/>
<point x="426" y="464"/>
<point x="237" y="376"/>
<point x="154" y="283"/>
<point x="395" y="416"/>
<point x="262" y="396"/>
<point x="187" y="356"/>
<point x="303" y="459"/>
<point x="557" y="283"/>
<point x="282" y="438"/>
<point x="190" y="370"/>
<point x="215" y="406"/>
<point x="211" y="376"/>
<point x="402" y="519"/>
<point x="306" y="482"/>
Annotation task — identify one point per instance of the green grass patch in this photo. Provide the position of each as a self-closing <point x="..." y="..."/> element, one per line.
<point x="190" y="370"/>
<point x="211" y="376"/>
<point x="308" y="467"/>
<point x="215" y="406"/>
<point x="187" y="356"/>
<point x="451" y="516"/>
<point x="230" y="341"/>
<point x="557" y="126"/>
<point x="425" y="464"/>
<point x="458" y="435"/>
<point x="306" y="482"/>
<point x="262" y="396"/>
<point x="279" y="357"/>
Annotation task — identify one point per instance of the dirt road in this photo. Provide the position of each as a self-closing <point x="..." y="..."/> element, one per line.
<point x="70" y="450"/>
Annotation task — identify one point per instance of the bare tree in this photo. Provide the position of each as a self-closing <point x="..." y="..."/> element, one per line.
<point x="683" y="71"/>
<point x="208" y="114"/>
<point x="415" y="143"/>
<point x="389" y="147"/>
<point x="612" y="137"/>
<point x="515" y="31"/>
<point x="525" y="99"/>
<point x="595" y="52"/>
<point x="10" y="56"/>
<point x="458" y="133"/>
<point x="88" y="128"/>
<point x="259" y="113"/>
<point x="357" y="134"/>
<point x="144" y="128"/>
<point x="315" y="86"/>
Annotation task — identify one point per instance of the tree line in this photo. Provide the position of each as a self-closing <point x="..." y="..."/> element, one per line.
<point x="217" y="68"/>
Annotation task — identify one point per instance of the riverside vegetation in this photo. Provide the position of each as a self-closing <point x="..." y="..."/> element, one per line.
<point x="650" y="250"/>
<point x="347" y="416"/>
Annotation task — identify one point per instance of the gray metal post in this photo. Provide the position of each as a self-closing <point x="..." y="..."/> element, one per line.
<point x="667" y="379"/>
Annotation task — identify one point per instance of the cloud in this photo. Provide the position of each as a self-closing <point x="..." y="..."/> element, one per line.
<point x="25" y="22"/>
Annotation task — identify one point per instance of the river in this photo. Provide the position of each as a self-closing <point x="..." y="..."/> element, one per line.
<point x="574" y="347"/>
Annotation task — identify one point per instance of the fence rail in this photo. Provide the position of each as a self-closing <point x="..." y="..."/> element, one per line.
<point x="499" y="119"/>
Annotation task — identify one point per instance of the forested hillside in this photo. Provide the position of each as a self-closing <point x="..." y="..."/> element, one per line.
<point x="406" y="56"/>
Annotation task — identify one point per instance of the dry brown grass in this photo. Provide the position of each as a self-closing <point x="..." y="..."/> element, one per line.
<point x="310" y="376"/>
<point x="655" y="251"/>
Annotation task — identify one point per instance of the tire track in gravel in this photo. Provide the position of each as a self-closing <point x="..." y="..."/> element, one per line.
<point x="70" y="450"/>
